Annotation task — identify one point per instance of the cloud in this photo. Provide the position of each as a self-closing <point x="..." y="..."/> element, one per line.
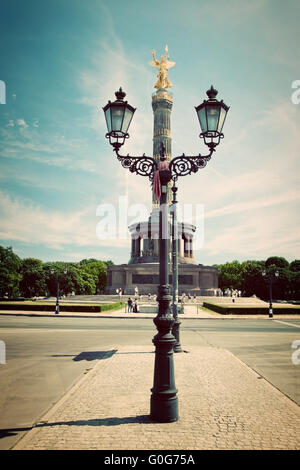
<point x="47" y="149"/>
<point x="24" y="221"/>
<point x="286" y="197"/>
<point x="257" y="237"/>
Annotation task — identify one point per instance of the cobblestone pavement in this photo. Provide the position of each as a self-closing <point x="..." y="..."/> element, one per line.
<point x="223" y="404"/>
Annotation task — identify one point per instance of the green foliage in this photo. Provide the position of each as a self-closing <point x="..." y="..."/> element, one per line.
<point x="295" y="266"/>
<point x="278" y="262"/>
<point x="47" y="307"/>
<point x="10" y="276"/>
<point x="97" y="270"/>
<point x="33" y="282"/>
<point x="247" y="277"/>
<point x="230" y="275"/>
<point x="249" y="310"/>
<point x="31" y="277"/>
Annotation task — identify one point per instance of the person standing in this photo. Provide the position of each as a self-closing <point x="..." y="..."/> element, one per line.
<point x="129" y="303"/>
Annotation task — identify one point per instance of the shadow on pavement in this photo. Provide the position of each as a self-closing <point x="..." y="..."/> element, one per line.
<point x="100" y="422"/>
<point x="89" y="355"/>
<point x="143" y="419"/>
<point x="12" y="431"/>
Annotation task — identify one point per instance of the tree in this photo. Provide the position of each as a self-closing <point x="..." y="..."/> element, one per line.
<point x="281" y="286"/>
<point x="54" y="274"/>
<point x="253" y="283"/>
<point x="295" y="265"/>
<point x="277" y="261"/>
<point x="230" y="275"/>
<point x="33" y="278"/>
<point x="98" y="270"/>
<point x="10" y="276"/>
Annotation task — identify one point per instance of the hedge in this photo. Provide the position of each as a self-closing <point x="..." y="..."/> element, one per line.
<point x="249" y="310"/>
<point x="41" y="307"/>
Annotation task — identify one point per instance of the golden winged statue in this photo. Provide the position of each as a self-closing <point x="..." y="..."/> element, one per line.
<point x="163" y="66"/>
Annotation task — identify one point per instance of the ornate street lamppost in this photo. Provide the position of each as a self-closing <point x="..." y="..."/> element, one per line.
<point x="270" y="276"/>
<point x="57" y="288"/>
<point x="118" y="114"/>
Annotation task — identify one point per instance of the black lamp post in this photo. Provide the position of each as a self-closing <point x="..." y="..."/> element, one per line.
<point x="211" y="114"/>
<point x="57" y="289"/>
<point x="270" y="276"/>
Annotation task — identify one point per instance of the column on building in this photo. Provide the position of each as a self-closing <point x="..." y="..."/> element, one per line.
<point x="162" y="102"/>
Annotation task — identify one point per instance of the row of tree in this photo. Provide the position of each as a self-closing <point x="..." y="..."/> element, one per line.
<point x="30" y="277"/>
<point x="247" y="276"/>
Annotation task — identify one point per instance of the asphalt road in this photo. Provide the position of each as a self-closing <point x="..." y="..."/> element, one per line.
<point x="46" y="356"/>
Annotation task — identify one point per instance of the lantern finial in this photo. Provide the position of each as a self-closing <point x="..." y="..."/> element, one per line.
<point x="212" y="93"/>
<point x="120" y="95"/>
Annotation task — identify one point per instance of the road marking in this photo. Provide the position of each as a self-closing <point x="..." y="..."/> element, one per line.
<point x="286" y="323"/>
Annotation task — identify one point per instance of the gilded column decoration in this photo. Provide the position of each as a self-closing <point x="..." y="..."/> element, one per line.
<point x="163" y="66"/>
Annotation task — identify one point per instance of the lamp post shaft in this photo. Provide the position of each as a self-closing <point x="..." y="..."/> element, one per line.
<point x="270" y="297"/>
<point x="164" y="401"/>
<point x="57" y="298"/>
<point x="176" y="325"/>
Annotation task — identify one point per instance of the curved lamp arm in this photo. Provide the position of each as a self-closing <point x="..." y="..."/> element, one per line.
<point x="143" y="166"/>
<point x="186" y="165"/>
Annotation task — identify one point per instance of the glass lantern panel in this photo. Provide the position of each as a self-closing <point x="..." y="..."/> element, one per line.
<point x="108" y="119"/>
<point x="222" y="119"/>
<point x="202" y="119"/>
<point x="127" y="119"/>
<point x="117" y="117"/>
<point x="212" y="117"/>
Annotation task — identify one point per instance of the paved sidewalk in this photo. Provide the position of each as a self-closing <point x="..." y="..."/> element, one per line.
<point x="223" y="404"/>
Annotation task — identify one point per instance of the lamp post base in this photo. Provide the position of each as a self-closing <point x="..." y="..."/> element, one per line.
<point x="164" y="411"/>
<point x="164" y="401"/>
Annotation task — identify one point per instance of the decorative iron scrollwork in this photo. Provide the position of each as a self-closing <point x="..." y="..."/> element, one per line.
<point x="147" y="166"/>
<point x="143" y="166"/>
<point x="186" y="165"/>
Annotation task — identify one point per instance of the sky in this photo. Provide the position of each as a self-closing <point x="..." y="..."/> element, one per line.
<point x="61" y="61"/>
